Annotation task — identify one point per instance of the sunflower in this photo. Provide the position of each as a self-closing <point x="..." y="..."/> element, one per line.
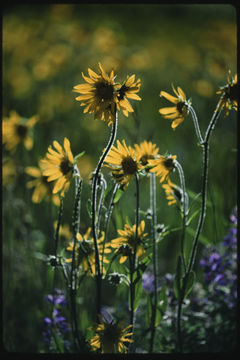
<point x="128" y="90"/>
<point x="172" y="192"/>
<point x="110" y="337"/>
<point x="178" y="112"/>
<point x="145" y="151"/>
<point x="123" y="163"/>
<point x="18" y="130"/>
<point x="128" y="239"/>
<point x="162" y="166"/>
<point x="85" y="252"/>
<point x="99" y="95"/>
<point x="43" y="189"/>
<point x="229" y="95"/>
<point x="58" y="165"/>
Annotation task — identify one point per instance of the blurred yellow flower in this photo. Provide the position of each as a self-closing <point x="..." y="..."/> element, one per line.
<point x="58" y="165"/>
<point x="145" y="151"/>
<point x="128" y="238"/>
<point x="42" y="188"/>
<point x="110" y="337"/>
<point x="64" y="230"/>
<point x="172" y="192"/>
<point x="178" y="112"/>
<point x="128" y="90"/>
<point x="98" y="95"/>
<point x="123" y="163"/>
<point x="16" y="130"/>
<point x="85" y="252"/>
<point x="162" y="166"/>
<point x="229" y="94"/>
<point x="9" y="171"/>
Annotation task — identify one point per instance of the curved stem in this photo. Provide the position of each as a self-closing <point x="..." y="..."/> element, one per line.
<point x="184" y="209"/>
<point x="94" y="206"/>
<point x="154" y="245"/>
<point x="196" y="125"/>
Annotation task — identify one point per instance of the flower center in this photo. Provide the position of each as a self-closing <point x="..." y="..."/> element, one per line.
<point x="104" y="91"/>
<point x="21" y="131"/>
<point x="129" y="166"/>
<point x="65" y="166"/>
<point x="122" y="91"/>
<point x="181" y="108"/>
<point x="168" y="163"/>
<point x="144" y="159"/>
<point x="233" y="92"/>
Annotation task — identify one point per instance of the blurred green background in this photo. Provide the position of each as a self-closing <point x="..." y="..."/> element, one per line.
<point x="45" y="50"/>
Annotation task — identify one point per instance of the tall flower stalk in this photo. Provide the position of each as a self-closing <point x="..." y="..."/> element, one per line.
<point x="154" y="247"/>
<point x="94" y="207"/>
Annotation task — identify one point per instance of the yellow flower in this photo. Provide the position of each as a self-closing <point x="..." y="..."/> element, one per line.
<point x="128" y="237"/>
<point x="123" y="163"/>
<point x="145" y="151"/>
<point x="102" y="96"/>
<point x="58" y="165"/>
<point x="42" y="188"/>
<point x="163" y="166"/>
<point x="64" y="231"/>
<point x="178" y="112"/>
<point x="110" y="337"/>
<point x="172" y="192"/>
<point x="85" y="252"/>
<point x="229" y="93"/>
<point x="9" y="171"/>
<point x="16" y="130"/>
<point x="99" y="95"/>
<point x="128" y="90"/>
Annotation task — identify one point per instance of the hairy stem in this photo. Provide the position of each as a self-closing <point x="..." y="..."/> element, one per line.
<point x="94" y="206"/>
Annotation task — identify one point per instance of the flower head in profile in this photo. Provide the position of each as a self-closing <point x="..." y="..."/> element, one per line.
<point x="123" y="163"/>
<point x="98" y="94"/>
<point x="9" y="171"/>
<point x="18" y="130"/>
<point x="110" y="337"/>
<point x="145" y="151"/>
<point x="42" y="188"/>
<point x="127" y="239"/>
<point x="85" y="252"/>
<point x="172" y="192"/>
<point x="58" y="166"/>
<point x="127" y="91"/>
<point x="229" y="97"/>
<point x="163" y="166"/>
<point x="179" y="111"/>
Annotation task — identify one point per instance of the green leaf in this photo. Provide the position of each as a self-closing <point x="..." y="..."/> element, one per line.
<point x="202" y="238"/>
<point x="89" y="207"/>
<point x="193" y="216"/>
<point x="106" y="192"/>
<point x="118" y="195"/>
<point x="138" y="294"/>
<point x="149" y="308"/>
<point x="189" y="279"/>
<point x="162" y="300"/>
<point x="77" y="157"/>
<point x="177" y="285"/>
<point x="158" y="317"/>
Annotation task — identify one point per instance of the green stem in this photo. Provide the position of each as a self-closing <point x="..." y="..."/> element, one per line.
<point x="132" y="258"/>
<point x="94" y="206"/>
<point x="60" y="213"/>
<point x="205" y="147"/>
<point x="196" y="125"/>
<point x="154" y="246"/>
<point x="184" y="209"/>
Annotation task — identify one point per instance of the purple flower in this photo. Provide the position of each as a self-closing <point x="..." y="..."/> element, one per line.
<point x="148" y="282"/>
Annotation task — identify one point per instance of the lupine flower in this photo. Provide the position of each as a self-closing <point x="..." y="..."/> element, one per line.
<point x="145" y="151"/>
<point x="85" y="252"/>
<point x="123" y="163"/>
<point x="229" y="95"/>
<point x="163" y="166"/>
<point x="58" y="166"/>
<point x="128" y="239"/>
<point x="17" y="129"/>
<point x="178" y="112"/>
<point x="110" y="337"/>
<point x="148" y="282"/>
<point x="56" y="322"/>
<point x="42" y="188"/>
